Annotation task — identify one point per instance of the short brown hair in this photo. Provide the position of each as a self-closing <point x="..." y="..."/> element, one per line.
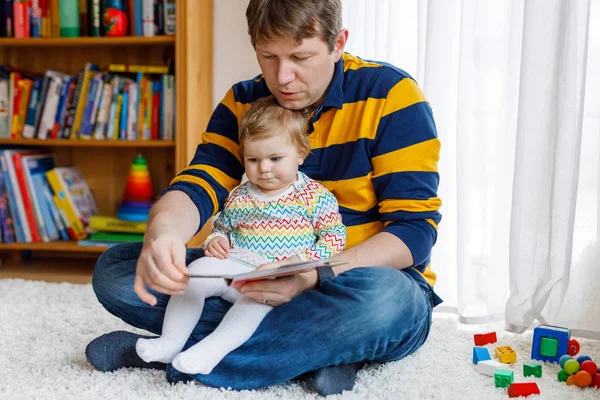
<point x="299" y="19"/>
<point x="266" y="118"/>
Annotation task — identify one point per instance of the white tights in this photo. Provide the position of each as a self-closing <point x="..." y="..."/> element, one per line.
<point x="184" y="311"/>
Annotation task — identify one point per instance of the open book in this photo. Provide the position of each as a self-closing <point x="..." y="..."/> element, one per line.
<point x="286" y="270"/>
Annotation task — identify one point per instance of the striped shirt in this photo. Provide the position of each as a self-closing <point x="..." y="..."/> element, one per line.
<point x="374" y="145"/>
<point x="302" y="221"/>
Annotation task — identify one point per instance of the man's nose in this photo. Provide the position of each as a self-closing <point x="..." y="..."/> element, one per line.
<point x="285" y="73"/>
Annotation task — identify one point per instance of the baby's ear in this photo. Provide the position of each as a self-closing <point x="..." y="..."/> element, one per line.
<point x="301" y="157"/>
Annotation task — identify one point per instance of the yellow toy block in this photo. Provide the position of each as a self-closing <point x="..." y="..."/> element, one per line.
<point x="506" y="355"/>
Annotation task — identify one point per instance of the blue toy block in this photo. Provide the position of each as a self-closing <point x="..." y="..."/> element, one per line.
<point x="480" y="354"/>
<point x="550" y="343"/>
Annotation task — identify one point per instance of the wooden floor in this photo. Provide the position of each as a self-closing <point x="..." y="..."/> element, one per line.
<point x="50" y="269"/>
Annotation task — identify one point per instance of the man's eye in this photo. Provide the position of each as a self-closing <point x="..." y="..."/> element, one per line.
<point x="297" y="58"/>
<point x="268" y="57"/>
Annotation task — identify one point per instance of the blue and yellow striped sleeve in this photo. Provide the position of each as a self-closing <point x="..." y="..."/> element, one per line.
<point x="216" y="167"/>
<point x="405" y="174"/>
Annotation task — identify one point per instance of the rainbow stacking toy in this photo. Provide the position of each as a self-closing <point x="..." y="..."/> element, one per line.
<point x="137" y="198"/>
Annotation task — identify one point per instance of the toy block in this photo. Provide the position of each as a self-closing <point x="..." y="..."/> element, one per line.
<point x="481" y="339"/>
<point x="532" y="369"/>
<point x="480" y="354"/>
<point x="506" y="355"/>
<point x="523" y="389"/>
<point x="489" y="367"/>
<point x="550" y="343"/>
<point x="503" y="378"/>
<point x="548" y="347"/>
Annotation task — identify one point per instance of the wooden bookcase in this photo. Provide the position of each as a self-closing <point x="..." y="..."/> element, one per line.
<point x="105" y="164"/>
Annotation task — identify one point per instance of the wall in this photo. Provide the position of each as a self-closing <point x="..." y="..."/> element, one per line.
<point x="233" y="55"/>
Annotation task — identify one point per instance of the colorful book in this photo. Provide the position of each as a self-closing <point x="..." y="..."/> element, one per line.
<point x="75" y="196"/>
<point x="113" y="224"/>
<point x="116" y="237"/>
<point x="35" y="168"/>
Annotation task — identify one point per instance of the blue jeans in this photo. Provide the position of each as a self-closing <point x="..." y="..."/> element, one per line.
<point x="374" y="314"/>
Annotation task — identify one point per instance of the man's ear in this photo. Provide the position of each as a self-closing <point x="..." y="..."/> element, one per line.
<point x="340" y="43"/>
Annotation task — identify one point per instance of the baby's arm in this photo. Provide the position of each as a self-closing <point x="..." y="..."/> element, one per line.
<point x="327" y="222"/>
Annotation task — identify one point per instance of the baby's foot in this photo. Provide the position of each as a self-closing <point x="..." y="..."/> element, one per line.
<point x="159" y="349"/>
<point x="197" y="360"/>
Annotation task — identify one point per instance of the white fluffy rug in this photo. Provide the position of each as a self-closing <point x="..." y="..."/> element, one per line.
<point x="44" y="328"/>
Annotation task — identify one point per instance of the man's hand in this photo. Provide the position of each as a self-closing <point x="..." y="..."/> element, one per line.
<point x="280" y="290"/>
<point x="218" y="248"/>
<point x="161" y="266"/>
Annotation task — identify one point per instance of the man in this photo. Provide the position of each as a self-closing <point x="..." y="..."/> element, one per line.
<point x="374" y="145"/>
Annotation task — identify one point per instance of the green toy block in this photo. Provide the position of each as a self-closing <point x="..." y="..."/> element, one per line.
<point x="549" y="347"/>
<point x="503" y="378"/>
<point x="532" y="369"/>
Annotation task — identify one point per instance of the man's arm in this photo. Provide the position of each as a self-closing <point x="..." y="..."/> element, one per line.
<point x="381" y="249"/>
<point x="173" y="220"/>
<point x="175" y="212"/>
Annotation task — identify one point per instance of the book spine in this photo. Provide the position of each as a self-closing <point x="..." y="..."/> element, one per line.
<point x="36" y="206"/>
<point x="50" y="106"/>
<point x="94" y="18"/>
<point x="169" y="13"/>
<point x="36" y="19"/>
<point x="12" y="200"/>
<point x="56" y="216"/>
<point x="26" y="86"/>
<point x="50" y="229"/>
<point x="8" y="233"/>
<point x="26" y="198"/>
<point x="103" y="113"/>
<point x="4" y="104"/>
<point x="34" y="103"/>
<point x="8" y="18"/>
<point x="148" y="17"/>
<point x="112" y="224"/>
<point x="60" y="108"/>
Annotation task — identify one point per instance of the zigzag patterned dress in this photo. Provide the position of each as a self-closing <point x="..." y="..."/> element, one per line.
<point x="303" y="220"/>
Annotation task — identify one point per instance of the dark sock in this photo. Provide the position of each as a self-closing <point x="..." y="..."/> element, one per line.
<point x="335" y="379"/>
<point x="116" y="350"/>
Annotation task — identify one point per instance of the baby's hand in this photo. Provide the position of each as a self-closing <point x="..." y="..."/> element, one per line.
<point x="218" y="248"/>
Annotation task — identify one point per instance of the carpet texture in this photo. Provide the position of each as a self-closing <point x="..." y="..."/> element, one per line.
<point x="44" y="328"/>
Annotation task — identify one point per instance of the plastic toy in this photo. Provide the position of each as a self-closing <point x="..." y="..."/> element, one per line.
<point x="506" y="355"/>
<point x="582" y="375"/>
<point x="532" y="369"/>
<point x="137" y="198"/>
<point x="480" y="354"/>
<point x="503" y="378"/>
<point x="481" y="339"/>
<point x="550" y="343"/>
<point x="523" y="389"/>
<point x="489" y="367"/>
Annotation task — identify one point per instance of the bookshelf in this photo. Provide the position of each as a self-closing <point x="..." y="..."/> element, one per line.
<point x="105" y="164"/>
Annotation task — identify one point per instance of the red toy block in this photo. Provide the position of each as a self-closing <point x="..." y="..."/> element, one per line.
<point x="523" y="389"/>
<point x="481" y="339"/>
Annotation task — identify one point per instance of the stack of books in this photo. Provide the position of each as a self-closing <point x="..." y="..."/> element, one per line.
<point x="41" y="203"/>
<point x="108" y="231"/>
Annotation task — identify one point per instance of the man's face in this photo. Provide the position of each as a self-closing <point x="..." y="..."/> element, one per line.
<point x="298" y="74"/>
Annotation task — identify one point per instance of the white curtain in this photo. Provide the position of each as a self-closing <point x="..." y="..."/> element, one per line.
<point x="519" y="122"/>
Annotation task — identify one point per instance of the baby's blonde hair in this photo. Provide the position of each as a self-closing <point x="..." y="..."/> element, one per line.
<point x="266" y="118"/>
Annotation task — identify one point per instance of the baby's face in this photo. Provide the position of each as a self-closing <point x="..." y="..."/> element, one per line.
<point x="272" y="163"/>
